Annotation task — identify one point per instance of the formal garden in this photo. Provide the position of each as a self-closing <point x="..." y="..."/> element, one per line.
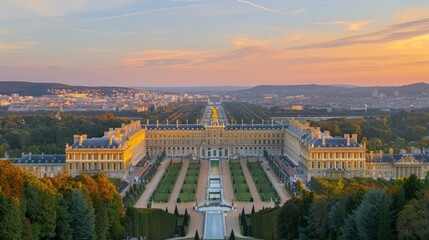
<point x="190" y="185"/>
<point x="166" y="185"/>
<point x="239" y="183"/>
<point x="263" y="184"/>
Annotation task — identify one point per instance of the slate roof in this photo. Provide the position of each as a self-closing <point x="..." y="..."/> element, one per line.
<point x="332" y="142"/>
<point x="390" y="158"/>
<point x="186" y="127"/>
<point x="102" y="142"/>
<point x="41" y="159"/>
<point x="254" y="127"/>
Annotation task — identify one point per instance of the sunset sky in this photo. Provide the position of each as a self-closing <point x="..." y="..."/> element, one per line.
<point x="214" y="42"/>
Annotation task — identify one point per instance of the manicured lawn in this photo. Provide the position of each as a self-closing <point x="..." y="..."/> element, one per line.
<point x="239" y="184"/>
<point x="190" y="185"/>
<point x="165" y="187"/>
<point x="214" y="163"/>
<point x="263" y="184"/>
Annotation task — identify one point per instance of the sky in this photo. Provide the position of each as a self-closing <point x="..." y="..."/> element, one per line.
<point x="171" y="43"/>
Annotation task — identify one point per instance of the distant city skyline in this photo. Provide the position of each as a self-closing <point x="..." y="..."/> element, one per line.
<point x="173" y="43"/>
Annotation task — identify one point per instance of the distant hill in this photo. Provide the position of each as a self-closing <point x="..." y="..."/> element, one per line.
<point x="330" y="90"/>
<point x="29" y="88"/>
<point x="39" y="89"/>
<point x="201" y="89"/>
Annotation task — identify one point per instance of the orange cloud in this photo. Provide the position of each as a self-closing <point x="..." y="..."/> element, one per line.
<point x="351" y="26"/>
<point x="8" y="46"/>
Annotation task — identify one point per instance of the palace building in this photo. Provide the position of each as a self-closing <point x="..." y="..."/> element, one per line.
<point x="113" y="154"/>
<point x="119" y="149"/>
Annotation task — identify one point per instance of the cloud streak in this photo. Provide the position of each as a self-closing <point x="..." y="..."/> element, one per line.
<point x="147" y="11"/>
<point x="391" y="33"/>
<point x="259" y="6"/>
<point x="102" y="33"/>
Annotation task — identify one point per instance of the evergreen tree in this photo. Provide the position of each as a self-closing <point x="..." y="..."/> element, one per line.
<point x="10" y="218"/>
<point x="412" y="186"/>
<point x="197" y="236"/>
<point x="176" y="212"/>
<point x="63" y="231"/>
<point x="349" y="230"/>
<point x="385" y="231"/>
<point x="232" y="236"/>
<point x="243" y="217"/>
<point x="368" y="214"/>
<point x="186" y="218"/>
<point x="82" y="217"/>
<point x="317" y="220"/>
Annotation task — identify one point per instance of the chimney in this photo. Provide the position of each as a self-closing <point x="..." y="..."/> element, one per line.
<point x="110" y="140"/>
<point x="315" y="133"/>
<point x="381" y="153"/>
<point x="355" y="137"/>
<point x="347" y="137"/>
<point x="110" y="129"/>
<point x="371" y="155"/>
<point x="85" y="136"/>
<point x="327" y="133"/>
<point x="118" y="134"/>
<point x="323" y="140"/>
<point x="157" y="122"/>
<point x="75" y="138"/>
<point x="80" y="140"/>
<point x="391" y="151"/>
<point x="177" y="123"/>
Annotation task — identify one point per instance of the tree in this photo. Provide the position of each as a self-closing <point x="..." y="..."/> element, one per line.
<point x="63" y="231"/>
<point x="412" y="186"/>
<point x="232" y="236"/>
<point x="385" y="231"/>
<point x="243" y="217"/>
<point x="413" y="220"/>
<point x="349" y="230"/>
<point x="41" y="209"/>
<point x="10" y="218"/>
<point x="253" y="209"/>
<point x="176" y="212"/>
<point x="367" y="215"/>
<point x="197" y="236"/>
<point x="186" y="218"/>
<point x="82" y="216"/>
<point x="317" y="220"/>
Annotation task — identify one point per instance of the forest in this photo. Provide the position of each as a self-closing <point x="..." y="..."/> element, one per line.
<point x="352" y="209"/>
<point x="398" y="131"/>
<point x="83" y="207"/>
<point x="49" y="133"/>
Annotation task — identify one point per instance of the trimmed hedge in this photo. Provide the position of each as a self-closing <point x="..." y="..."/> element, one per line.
<point x="150" y="223"/>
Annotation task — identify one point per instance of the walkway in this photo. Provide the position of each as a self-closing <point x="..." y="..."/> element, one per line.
<point x="152" y="185"/>
<point x="228" y="193"/>
<point x="280" y="187"/>
<point x="249" y="180"/>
